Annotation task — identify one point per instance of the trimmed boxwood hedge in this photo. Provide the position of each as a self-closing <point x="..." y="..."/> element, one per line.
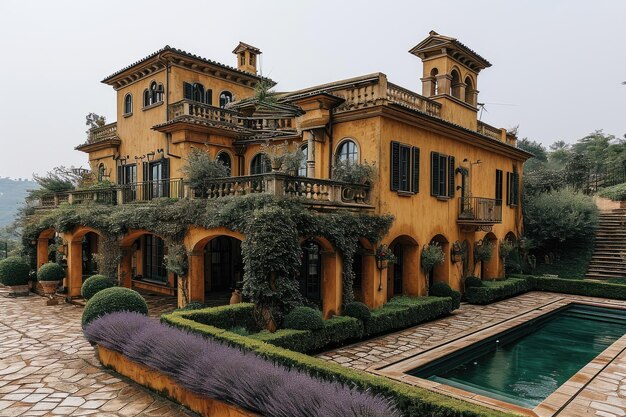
<point x="225" y="317"/>
<point x="358" y="310"/>
<point x="14" y="271"/>
<point x="402" y="312"/>
<point x="491" y="291"/>
<point x="335" y="330"/>
<point x="578" y="287"/>
<point x="50" y="272"/>
<point x="441" y="289"/>
<point x="94" y="284"/>
<point x="304" y="318"/>
<point x="113" y="299"/>
<point x="412" y="401"/>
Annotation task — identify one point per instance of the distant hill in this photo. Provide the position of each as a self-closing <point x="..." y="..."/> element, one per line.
<point x="12" y="194"/>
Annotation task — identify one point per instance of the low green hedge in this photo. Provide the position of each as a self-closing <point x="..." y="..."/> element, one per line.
<point x="334" y="331"/>
<point x="615" y="192"/>
<point x="578" y="287"/>
<point x="304" y="318"/>
<point x="226" y="317"/>
<point x="402" y="312"/>
<point x="14" y="271"/>
<point x="412" y="401"/>
<point x="491" y="291"/>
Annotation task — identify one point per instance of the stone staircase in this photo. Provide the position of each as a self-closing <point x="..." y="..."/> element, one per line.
<point x="609" y="256"/>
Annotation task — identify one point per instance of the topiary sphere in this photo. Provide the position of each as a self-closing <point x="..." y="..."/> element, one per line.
<point x="473" y="282"/>
<point x="14" y="271"/>
<point x="50" y="272"/>
<point x="111" y="300"/>
<point x="94" y="284"/>
<point x="357" y="310"/>
<point x="304" y="318"/>
<point x="441" y="289"/>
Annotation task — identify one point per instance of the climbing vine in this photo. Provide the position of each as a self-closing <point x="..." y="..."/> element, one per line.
<point x="271" y="251"/>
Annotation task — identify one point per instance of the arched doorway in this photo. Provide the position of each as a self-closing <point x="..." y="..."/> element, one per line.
<point x="403" y="275"/>
<point x="89" y="250"/>
<point x="441" y="272"/>
<point x="81" y="260"/>
<point x="223" y="266"/>
<point x="310" y="279"/>
<point x="44" y="241"/>
<point x="490" y="269"/>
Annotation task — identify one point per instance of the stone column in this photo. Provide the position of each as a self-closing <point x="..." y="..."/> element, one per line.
<point x="196" y="277"/>
<point x="126" y="267"/>
<point x="74" y="268"/>
<point x="429" y="85"/>
<point x="444" y="84"/>
<point x="42" y="251"/>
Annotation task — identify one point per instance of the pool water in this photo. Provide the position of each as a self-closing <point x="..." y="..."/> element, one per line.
<point x="523" y="366"/>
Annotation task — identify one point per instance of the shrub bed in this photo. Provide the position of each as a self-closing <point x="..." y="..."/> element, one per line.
<point x="14" y="271"/>
<point x="112" y="300"/>
<point x="304" y="318"/>
<point x="225" y="373"/>
<point x="491" y="291"/>
<point x="226" y="317"/>
<point x="441" y="289"/>
<point x="334" y="331"/>
<point x="412" y="401"/>
<point x="94" y="284"/>
<point x="615" y="192"/>
<point x="50" y="272"/>
<point x="402" y="312"/>
<point x="578" y="287"/>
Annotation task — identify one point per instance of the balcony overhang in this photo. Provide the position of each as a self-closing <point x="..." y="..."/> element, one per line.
<point x="191" y="124"/>
<point x="99" y="145"/>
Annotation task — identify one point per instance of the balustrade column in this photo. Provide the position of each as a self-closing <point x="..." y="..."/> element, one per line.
<point x="310" y="162"/>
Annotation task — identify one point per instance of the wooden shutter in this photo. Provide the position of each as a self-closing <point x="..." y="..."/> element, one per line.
<point x="188" y="91"/>
<point x="395" y="166"/>
<point x="146" y="171"/>
<point x="209" y="97"/>
<point x="415" y="184"/>
<point x="120" y="175"/>
<point x="434" y="173"/>
<point x="515" y="196"/>
<point x="451" y="176"/>
<point x="499" y="186"/>
<point x="508" y="188"/>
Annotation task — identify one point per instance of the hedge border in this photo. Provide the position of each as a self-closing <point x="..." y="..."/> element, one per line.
<point x="491" y="291"/>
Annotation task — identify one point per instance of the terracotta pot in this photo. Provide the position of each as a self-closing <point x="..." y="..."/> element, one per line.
<point x="235" y="298"/>
<point x="49" y="288"/>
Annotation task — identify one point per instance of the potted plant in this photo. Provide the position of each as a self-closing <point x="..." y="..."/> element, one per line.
<point x="49" y="276"/>
<point x="14" y="273"/>
<point x="384" y="256"/>
<point x="432" y="256"/>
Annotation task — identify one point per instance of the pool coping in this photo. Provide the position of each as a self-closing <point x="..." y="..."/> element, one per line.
<point x="549" y="407"/>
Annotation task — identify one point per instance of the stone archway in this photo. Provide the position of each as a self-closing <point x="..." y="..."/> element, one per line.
<point x="491" y="269"/>
<point x="403" y="276"/>
<point x="368" y="281"/>
<point x="441" y="273"/>
<point x="43" y="243"/>
<point x="82" y="243"/>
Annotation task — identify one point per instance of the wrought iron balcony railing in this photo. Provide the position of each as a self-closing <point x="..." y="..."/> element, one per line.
<point x="480" y="210"/>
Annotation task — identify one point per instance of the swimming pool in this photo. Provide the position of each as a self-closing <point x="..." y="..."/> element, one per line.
<point x="525" y="364"/>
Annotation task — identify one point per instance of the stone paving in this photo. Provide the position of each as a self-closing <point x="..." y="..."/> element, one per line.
<point x="47" y="368"/>
<point x="604" y="396"/>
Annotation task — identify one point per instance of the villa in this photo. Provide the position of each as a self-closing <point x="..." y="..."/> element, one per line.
<point x="443" y="174"/>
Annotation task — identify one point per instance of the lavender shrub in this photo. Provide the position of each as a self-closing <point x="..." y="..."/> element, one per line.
<point x="228" y="374"/>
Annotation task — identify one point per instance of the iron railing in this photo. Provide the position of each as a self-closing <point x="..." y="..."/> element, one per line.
<point x="150" y="190"/>
<point x="480" y="210"/>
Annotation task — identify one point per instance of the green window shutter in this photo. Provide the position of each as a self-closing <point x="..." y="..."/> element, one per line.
<point x="415" y="184"/>
<point x="508" y="188"/>
<point x="515" y="196"/>
<point x="434" y="173"/>
<point x="451" y="176"/>
<point x="209" y="97"/>
<point x="188" y="91"/>
<point x="395" y="166"/>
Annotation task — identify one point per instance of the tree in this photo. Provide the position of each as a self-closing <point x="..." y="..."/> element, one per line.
<point x="94" y="120"/>
<point x="536" y="149"/>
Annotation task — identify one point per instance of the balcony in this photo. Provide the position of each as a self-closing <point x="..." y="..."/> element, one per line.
<point x="318" y="193"/>
<point x="479" y="213"/>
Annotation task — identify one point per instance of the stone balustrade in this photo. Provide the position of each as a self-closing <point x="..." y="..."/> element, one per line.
<point x="103" y="132"/>
<point x="413" y="101"/>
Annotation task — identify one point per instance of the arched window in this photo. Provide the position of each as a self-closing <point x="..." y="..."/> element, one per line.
<point x="469" y="91"/>
<point x="260" y="164"/>
<point x="128" y="104"/>
<point x="302" y="171"/>
<point x="347" y="151"/>
<point x="433" y="86"/>
<point x="101" y="172"/>
<point x="225" y="98"/>
<point x="456" y="84"/>
<point x="224" y="158"/>
<point x="198" y="93"/>
<point x="311" y="272"/>
<point x="156" y="92"/>
<point x="146" y="98"/>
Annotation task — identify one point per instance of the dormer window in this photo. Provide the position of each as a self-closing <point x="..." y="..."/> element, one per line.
<point x="128" y="104"/>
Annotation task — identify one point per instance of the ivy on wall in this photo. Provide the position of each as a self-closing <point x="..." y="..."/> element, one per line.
<point x="271" y="250"/>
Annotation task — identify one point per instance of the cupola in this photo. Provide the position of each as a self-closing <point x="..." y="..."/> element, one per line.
<point x="247" y="57"/>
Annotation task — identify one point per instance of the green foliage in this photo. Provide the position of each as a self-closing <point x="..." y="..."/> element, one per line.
<point x="61" y="179"/>
<point x="200" y="169"/>
<point x="113" y="299"/>
<point x="483" y="250"/>
<point x="14" y="271"/>
<point x="94" y="284"/>
<point x="565" y="215"/>
<point x="473" y="282"/>
<point x="304" y="318"/>
<point x="402" y="312"/>
<point x="225" y="317"/>
<point x="432" y="255"/>
<point x="50" y="272"/>
<point x="571" y="261"/>
<point x="578" y="287"/>
<point x="491" y="291"/>
<point x="283" y="157"/>
<point x="615" y="193"/>
<point x="354" y="172"/>
<point x="413" y="401"/>
<point x="358" y="310"/>
<point x="240" y="330"/>
<point x="506" y="249"/>
<point x="108" y="256"/>
<point x="441" y="289"/>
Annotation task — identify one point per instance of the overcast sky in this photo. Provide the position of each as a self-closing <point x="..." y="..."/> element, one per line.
<point x="557" y="65"/>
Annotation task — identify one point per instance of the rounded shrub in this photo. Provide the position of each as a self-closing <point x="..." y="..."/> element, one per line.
<point x="304" y="318"/>
<point x="357" y="310"/>
<point x="51" y="272"/>
<point x="441" y="289"/>
<point x="113" y="299"/>
<point x="94" y="284"/>
<point x="14" y="271"/>
<point x="473" y="282"/>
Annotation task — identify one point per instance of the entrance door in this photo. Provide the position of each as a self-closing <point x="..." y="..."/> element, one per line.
<point x="398" y="269"/>
<point x="311" y="274"/>
<point x="223" y="264"/>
